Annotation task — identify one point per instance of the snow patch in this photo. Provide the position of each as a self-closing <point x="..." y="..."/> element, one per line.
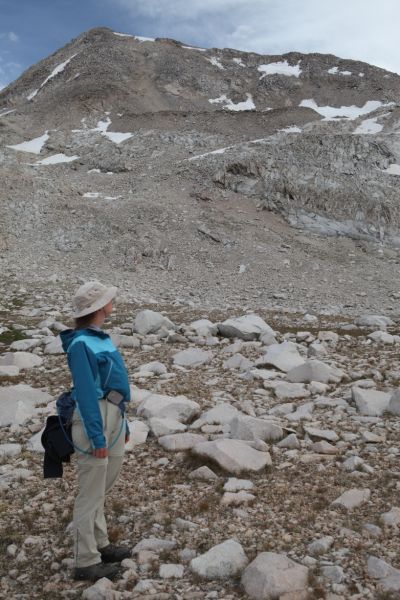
<point x="331" y="113"/>
<point x="218" y="151"/>
<point x="279" y="68"/>
<point x="33" y="146"/>
<point x="246" y="105"/>
<point x="392" y="169"/>
<point x="56" y="159"/>
<point x="7" y="112"/>
<point x="140" y="38"/>
<point x="113" y="136"/>
<point x="58" y="69"/>
<point x="194" y="48"/>
<point x="239" y="62"/>
<point x="290" y="129"/>
<point x="214" y="61"/>
<point x="123" y="34"/>
<point x="335" y="71"/>
<point x="91" y="195"/>
<point x="369" y="126"/>
<point x="361" y="75"/>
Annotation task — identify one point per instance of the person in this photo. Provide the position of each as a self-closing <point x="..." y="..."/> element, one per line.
<point x="99" y="430"/>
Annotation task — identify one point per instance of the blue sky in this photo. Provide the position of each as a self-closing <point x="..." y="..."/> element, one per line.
<point x="361" y="29"/>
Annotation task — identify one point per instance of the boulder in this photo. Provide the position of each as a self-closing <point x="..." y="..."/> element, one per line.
<point x="382" y="337"/>
<point x="289" y="391"/>
<point x="371" y="403"/>
<point x="389" y="577"/>
<point x="323" y="434"/>
<point x="161" y="427"/>
<point x="35" y="443"/>
<point x="103" y="589"/>
<point x="352" y="498"/>
<point x="171" y="571"/>
<point x="392" y="517"/>
<point x="283" y="356"/>
<point x="270" y="575"/>
<point x="203" y="474"/>
<point x="247" y="327"/>
<point x="314" y="370"/>
<point x="10" y="371"/>
<point x="235" y="485"/>
<point x="220" y="562"/>
<point x="24" y="345"/>
<point x="178" y="408"/>
<point x="18" y="403"/>
<point x="10" y="450"/>
<point x="177" y="442"/>
<point x="154" y="545"/>
<point x="204" y="328"/>
<point x="54" y="346"/>
<point x="235" y="456"/>
<point x="155" y="367"/>
<point x="149" y="321"/>
<point x="374" y="321"/>
<point x="192" y="357"/>
<point x="138" y="432"/>
<point x="238" y="361"/>
<point x="221" y="414"/>
<point x="320" y="546"/>
<point x="22" y="360"/>
<point x="237" y="498"/>
<point x="250" y="428"/>
<point x="394" y="403"/>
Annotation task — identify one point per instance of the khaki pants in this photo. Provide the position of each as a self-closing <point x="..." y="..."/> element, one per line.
<point x="96" y="476"/>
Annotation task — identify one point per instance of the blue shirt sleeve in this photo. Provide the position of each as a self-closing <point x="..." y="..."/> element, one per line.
<point x="83" y="365"/>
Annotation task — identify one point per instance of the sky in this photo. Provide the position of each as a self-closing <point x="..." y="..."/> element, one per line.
<point x="365" y="30"/>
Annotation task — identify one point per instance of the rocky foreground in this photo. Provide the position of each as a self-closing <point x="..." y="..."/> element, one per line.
<point x="263" y="461"/>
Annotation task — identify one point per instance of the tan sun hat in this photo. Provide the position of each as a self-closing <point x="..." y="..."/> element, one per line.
<point x="92" y="296"/>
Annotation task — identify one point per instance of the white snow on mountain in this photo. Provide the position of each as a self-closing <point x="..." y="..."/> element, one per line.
<point x="392" y="169"/>
<point x="194" y="48"/>
<point x="279" y="68"/>
<point x="335" y="71"/>
<point x="33" y="146"/>
<point x="239" y="62"/>
<point x="369" y="126"/>
<point x="56" y="159"/>
<point x="113" y="136"/>
<point x="122" y="34"/>
<point x="331" y="113"/>
<point x="58" y="69"/>
<point x="246" y="105"/>
<point x="140" y="38"/>
<point x="7" y="112"/>
<point x="214" y="61"/>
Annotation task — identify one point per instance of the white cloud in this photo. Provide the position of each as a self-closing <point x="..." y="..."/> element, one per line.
<point x="358" y="29"/>
<point x="13" y="37"/>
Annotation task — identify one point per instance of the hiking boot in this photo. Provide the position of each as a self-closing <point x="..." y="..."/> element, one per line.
<point x="113" y="554"/>
<point x="95" y="572"/>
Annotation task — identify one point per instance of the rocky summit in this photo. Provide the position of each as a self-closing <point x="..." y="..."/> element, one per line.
<point x="247" y="208"/>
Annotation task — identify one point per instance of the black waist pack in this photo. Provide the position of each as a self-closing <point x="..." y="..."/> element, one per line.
<point x="57" y="446"/>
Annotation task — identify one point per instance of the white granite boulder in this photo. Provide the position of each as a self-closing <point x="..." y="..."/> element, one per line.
<point x="24" y="345"/>
<point x="251" y="428"/>
<point x="18" y="403"/>
<point x="382" y="337"/>
<point x="178" y="408"/>
<point x="177" y="442"/>
<point x="54" y="346"/>
<point x="161" y="427"/>
<point x="192" y="357"/>
<point x="270" y="575"/>
<point x="379" y="321"/>
<point x="314" y="370"/>
<point x="371" y="403"/>
<point x="246" y="327"/>
<point x="389" y="577"/>
<point x="9" y="450"/>
<point x="238" y="361"/>
<point x="148" y="321"/>
<point x="221" y="414"/>
<point x="220" y="562"/>
<point x="138" y="432"/>
<point x="352" y="498"/>
<point x="9" y="371"/>
<point x="283" y="356"/>
<point x="155" y="367"/>
<point x="394" y="404"/>
<point x="289" y="391"/>
<point x="22" y="360"/>
<point x="235" y="456"/>
<point x="204" y="328"/>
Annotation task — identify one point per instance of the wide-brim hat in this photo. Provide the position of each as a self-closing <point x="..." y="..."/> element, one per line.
<point x="92" y="296"/>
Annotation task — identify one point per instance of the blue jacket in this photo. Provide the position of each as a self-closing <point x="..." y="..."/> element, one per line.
<point x="97" y="368"/>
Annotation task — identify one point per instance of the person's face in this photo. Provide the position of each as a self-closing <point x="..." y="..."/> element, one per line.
<point x="108" y="308"/>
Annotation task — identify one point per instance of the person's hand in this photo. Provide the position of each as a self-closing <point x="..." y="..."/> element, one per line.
<point x="100" y="452"/>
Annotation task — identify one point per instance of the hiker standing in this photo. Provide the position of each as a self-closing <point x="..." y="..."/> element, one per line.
<point x="99" y="430"/>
